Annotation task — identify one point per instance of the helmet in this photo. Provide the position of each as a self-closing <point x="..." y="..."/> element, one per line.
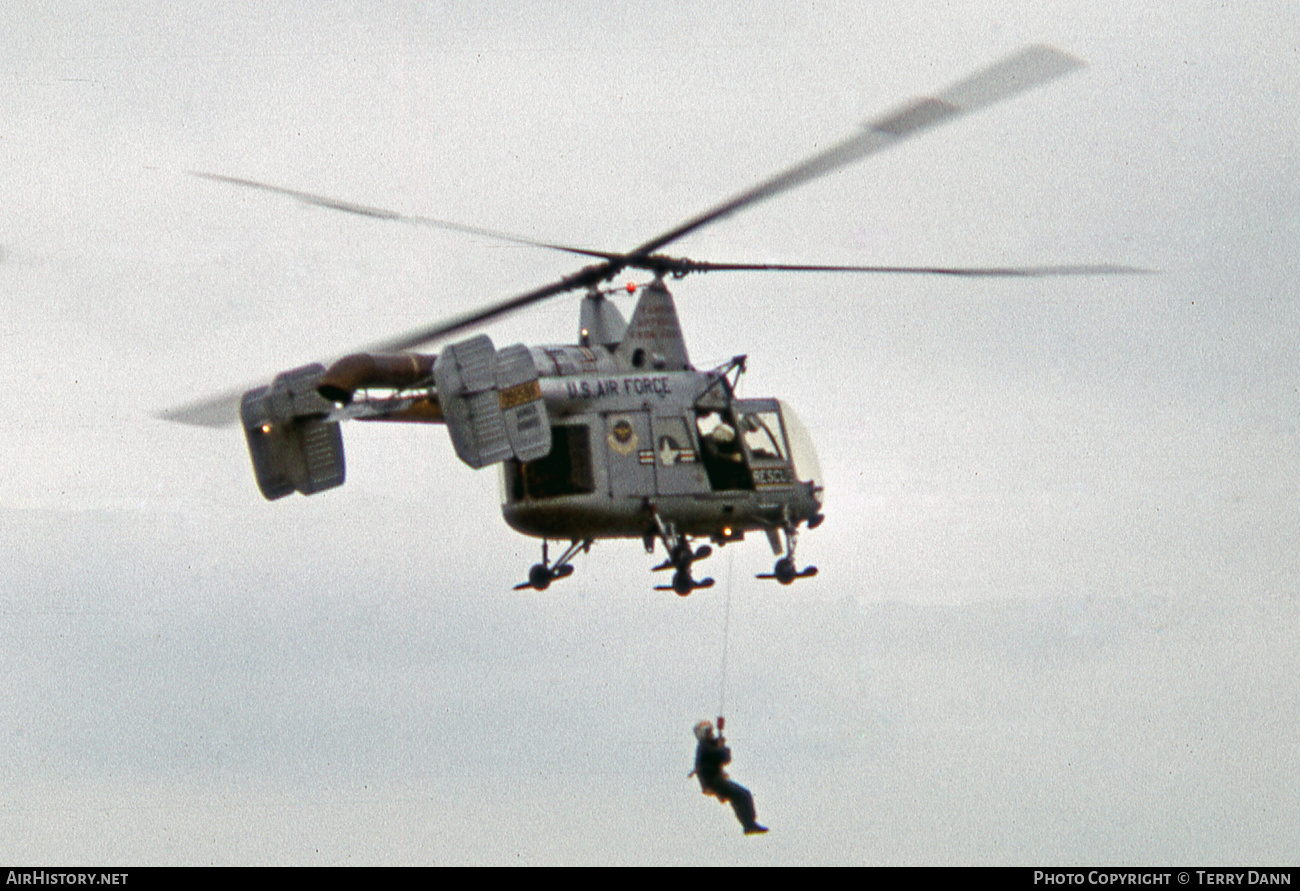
<point x="723" y="434"/>
<point x="704" y="730"/>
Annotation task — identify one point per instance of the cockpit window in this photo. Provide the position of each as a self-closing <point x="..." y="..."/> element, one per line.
<point x="762" y="434"/>
<point x="806" y="466"/>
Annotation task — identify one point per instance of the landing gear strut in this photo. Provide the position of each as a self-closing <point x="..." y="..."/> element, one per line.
<point x="542" y="574"/>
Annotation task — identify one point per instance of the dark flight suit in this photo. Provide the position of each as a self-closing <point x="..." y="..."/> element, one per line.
<point x="711" y="755"/>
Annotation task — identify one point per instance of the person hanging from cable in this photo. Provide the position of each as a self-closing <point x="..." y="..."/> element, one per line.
<point x="711" y="756"/>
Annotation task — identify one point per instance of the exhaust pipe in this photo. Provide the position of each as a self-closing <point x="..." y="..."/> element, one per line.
<point x="351" y="373"/>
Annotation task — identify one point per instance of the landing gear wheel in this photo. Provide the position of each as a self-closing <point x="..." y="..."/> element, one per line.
<point x="785" y="571"/>
<point x="680" y="557"/>
<point x="542" y="574"/>
<point x="539" y="576"/>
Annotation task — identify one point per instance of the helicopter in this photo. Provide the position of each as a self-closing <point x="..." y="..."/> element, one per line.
<point x="618" y="436"/>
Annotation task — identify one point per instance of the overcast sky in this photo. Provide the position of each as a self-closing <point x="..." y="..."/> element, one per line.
<point x="1056" y="617"/>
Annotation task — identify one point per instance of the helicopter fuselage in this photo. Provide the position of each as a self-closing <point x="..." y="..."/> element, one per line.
<point x="627" y="446"/>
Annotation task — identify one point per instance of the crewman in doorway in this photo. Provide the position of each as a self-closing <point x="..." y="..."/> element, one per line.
<point x="711" y="756"/>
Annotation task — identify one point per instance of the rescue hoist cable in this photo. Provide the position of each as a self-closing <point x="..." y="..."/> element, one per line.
<point x="726" y="636"/>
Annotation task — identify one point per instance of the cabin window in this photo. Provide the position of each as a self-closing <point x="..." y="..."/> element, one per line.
<point x="565" y="471"/>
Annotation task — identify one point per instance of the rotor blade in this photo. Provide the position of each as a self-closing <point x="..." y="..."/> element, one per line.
<point x="215" y="411"/>
<point x="686" y="267"/>
<point x="380" y="213"/>
<point x="1022" y="71"/>
<point x="587" y="277"/>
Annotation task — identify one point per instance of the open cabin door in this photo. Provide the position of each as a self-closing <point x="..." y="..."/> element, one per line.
<point x="744" y="446"/>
